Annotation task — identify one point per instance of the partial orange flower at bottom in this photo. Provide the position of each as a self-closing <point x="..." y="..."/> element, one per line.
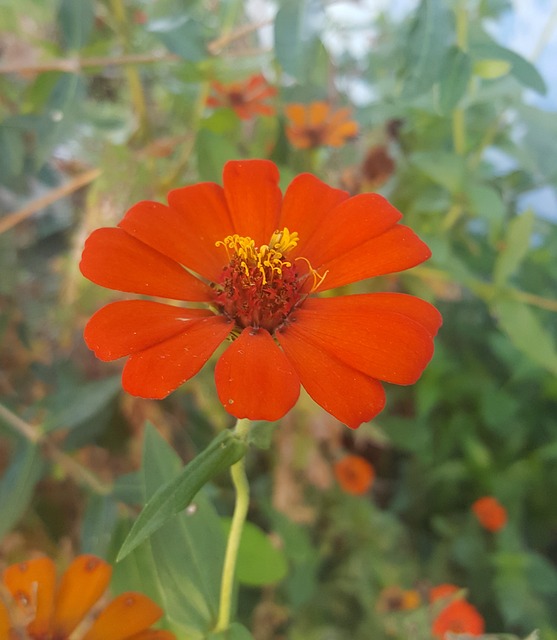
<point x="257" y="260"/>
<point x="36" y="607"/>
<point x="318" y="125"/>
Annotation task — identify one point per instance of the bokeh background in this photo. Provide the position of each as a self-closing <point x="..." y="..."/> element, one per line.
<point x="107" y="102"/>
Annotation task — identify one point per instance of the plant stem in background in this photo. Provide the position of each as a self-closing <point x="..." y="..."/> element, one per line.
<point x="241" y="486"/>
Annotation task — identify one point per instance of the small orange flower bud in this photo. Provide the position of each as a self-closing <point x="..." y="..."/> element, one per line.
<point x="354" y="474"/>
<point x="491" y="514"/>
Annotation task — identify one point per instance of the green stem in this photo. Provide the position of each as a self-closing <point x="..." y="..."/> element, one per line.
<point x="241" y="486"/>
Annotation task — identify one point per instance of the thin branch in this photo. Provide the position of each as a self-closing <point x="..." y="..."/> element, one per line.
<point x="74" y="65"/>
<point x="11" y="219"/>
<point x="215" y="46"/>
<point x="73" y="468"/>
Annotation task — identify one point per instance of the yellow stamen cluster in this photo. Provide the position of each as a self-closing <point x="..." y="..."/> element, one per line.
<point x="267" y="259"/>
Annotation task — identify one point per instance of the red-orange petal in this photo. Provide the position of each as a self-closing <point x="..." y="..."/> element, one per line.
<point x="349" y="225"/>
<point x="129" y="326"/>
<point x="187" y="230"/>
<point x="116" y="260"/>
<point x="419" y="310"/>
<point x="83" y="583"/>
<point x="317" y="113"/>
<point x="153" y="634"/>
<point x="127" y="615"/>
<point x="254" y="378"/>
<point x="347" y="394"/>
<point x="32" y="585"/>
<point x="5" y="623"/>
<point x="307" y="204"/>
<point x="296" y="113"/>
<point x="383" y="344"/>
<point x="395" y="250"/>
<point x="157" y="371"/>
<point x="253" y="197"/>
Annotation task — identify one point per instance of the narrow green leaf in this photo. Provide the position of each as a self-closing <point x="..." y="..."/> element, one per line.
<point x="181" y="35"/>
<point x="188" y="551"/>
<point x="76" y="19"/>
<point x="98" y="524"/>
<point x="525" y="72"/>
<point x="425" y="48"/>
<point x="526" y="332"/>
<point x="85" y="402"/>
<point x="298" y="25"/>
<point x="176" y="495"/>
<point x="456" y="71"/>
<point x="516" y="246"/>
<point x="18" y="483"/>
<point x="259" y="561"/>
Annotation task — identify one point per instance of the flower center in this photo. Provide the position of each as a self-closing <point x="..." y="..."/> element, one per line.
<point x="259" y="287"/>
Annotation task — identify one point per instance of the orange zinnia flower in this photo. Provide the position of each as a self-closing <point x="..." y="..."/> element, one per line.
<point x="458" y="617"/>
<point x="247" y="98"/>
<point x="40" y="609"/>
<point x="257" y="259"/>
<point x="490" y="513"/>
<point x="317" y="124"/>
<point x="354" y="474"/>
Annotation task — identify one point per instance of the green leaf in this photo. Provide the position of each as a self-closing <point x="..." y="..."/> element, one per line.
<point x="446" y="169"/>
<point x="542" y="574"/>
<point x="298" y="25"/>
<point x="84" y="403"/>
<point x="176" y="494"/>
<point x="516" y="246"/>
<point x="18" y="483"/>
<point x="525" y="72"/>
<point x="181" y="35"/>
<point x="486" y="202"/>
<point x="213" y="151"/>
<point x="75" y="20"/>
<point x="189" y="551"/>
<point x="491" y="68"/>
<point x="526" y="332"/>
<point x="456" y="71"/>
<point x="98" y="524"/>
<point x="12" y="152"/>
<point x="425" y="48"/>
<point x="259" y="561"/>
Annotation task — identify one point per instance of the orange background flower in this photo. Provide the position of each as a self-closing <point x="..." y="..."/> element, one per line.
<point x="354" y="474"/>
<point x="458" y="617"/>
<point x="263" y="285"/>
<point x="318" y="124"/>
<point x="491" y="514"/>
<point x="51" y="611"/>
<point x="247" y="98"/>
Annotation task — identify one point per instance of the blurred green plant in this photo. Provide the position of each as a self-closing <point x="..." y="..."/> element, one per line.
<point x="114" y="95"/>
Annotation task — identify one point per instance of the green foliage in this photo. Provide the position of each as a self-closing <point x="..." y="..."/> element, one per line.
<point x="170" y="497"/>
<point x="123" y="87"/>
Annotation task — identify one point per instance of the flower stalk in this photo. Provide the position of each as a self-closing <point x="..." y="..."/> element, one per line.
<point x="241" y="487"/>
